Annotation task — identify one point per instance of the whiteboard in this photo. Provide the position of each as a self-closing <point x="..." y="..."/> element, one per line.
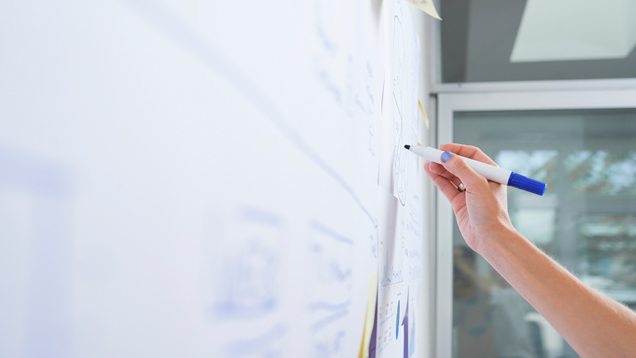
<point x="188" y="178"/>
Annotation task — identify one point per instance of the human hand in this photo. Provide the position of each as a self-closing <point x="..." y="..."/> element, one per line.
<point x="482" y="210"/>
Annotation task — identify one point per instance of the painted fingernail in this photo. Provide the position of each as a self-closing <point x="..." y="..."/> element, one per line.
<point x="446" y="156"/>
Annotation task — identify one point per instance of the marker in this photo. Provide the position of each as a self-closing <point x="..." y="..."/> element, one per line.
<point x="488" y="171"/>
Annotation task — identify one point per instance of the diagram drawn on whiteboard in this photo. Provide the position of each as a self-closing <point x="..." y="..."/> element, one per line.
<point x="399" y="69"/>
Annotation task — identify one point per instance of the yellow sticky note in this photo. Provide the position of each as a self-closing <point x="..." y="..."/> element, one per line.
<point x="419" y="103"/>
<point x="369" y="319"/>
<point x="427" y="6"/>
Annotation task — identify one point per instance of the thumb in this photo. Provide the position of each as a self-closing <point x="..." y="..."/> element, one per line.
<point x="457" y="166"/>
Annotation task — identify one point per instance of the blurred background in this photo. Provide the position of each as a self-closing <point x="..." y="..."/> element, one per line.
<point x="545" y="88"/>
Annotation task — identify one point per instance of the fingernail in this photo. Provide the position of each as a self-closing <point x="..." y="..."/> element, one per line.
<point x="446" y="156"/>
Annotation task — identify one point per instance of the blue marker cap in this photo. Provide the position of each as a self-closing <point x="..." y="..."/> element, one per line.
<point x="527" y="184"/>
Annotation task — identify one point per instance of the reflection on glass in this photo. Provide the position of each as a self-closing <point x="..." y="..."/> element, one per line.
<point x="489" y="315"/>
<point x="536" y="164"/>
<point x="607" y="247"/>
<point x="537" y="225"/>
<point x="602" y="172"/>
<point x="472" y="316"/>
<point x="586" y="221"/>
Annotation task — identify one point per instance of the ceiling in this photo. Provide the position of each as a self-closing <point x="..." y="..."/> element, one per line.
<point x="526" y="40"/>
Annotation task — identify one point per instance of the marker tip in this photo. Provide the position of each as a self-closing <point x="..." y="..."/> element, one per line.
<point x="407" y="146"/>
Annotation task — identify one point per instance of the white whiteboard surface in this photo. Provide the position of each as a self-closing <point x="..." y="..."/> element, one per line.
<point x="201" y="178"/>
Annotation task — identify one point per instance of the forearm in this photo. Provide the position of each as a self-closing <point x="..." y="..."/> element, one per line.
<point x="593" y="324"/>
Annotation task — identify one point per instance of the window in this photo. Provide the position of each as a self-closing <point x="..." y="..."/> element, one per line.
<point x="586" y="220"/>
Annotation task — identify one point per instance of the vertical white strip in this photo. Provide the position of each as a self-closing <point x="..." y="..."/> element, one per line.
<point x="444" y="291"/>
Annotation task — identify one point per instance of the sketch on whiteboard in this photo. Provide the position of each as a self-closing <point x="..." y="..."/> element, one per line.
<point x="247" y="281"/>
<point x="367" y="101"/>
<point x="399" y="122"/>
<point x="267" y="344"/>
<point x="400" y="229"/>
<point x="348" y="70"/>
<point x="329" y="270"/>
<point x="399" y="114"/>
<point x="242" y="280"/>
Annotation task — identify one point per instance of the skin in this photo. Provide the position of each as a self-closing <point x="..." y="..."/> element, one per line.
<point x="592" y="323"/>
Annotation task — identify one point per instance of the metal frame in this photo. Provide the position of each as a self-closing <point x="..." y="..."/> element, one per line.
<point x="623" y="83"/>
<point x="552" y="96"/>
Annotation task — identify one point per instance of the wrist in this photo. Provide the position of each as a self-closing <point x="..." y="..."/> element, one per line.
<point x="497" y="239"/>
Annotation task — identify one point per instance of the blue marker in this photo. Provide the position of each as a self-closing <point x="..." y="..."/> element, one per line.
<point x="490" y="172"/>
<point x="397" y="322"/>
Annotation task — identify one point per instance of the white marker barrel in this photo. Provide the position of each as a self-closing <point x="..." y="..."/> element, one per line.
<point x="490" y="172"/>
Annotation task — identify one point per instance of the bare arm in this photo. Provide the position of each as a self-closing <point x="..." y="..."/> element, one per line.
<point x="592" y="323"/>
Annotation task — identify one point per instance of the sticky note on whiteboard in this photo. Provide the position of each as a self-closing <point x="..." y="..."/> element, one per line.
<point x="427" y="6"/>
<point x="428" y="123"/>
